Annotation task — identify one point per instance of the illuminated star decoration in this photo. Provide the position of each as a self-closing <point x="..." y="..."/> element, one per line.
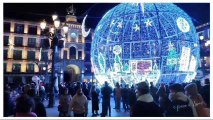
<point x="119" y="24"/>
<point x="112" y="23"/>
<point x="136" y="28"/>
<point x="148" y="23"/>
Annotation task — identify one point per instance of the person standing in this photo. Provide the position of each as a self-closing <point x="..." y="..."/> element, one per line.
<point x="24" y="106"/>
<point x="64" y="101"/>
<point x="145" y="105"/>
<point x="180" y="105"/>
<point x="191" y="91"/>
<point x="106" y="92"/>
<point x="117" y="94"/>
<point x="132" y="99"/>
<point x="163" y="97"/>
<point x="205" y="92"/>
<point x="125" y="95"/>
<point x="153" y="91"/>
<point x="79" y="104"/>
<point x="95" y="101"/>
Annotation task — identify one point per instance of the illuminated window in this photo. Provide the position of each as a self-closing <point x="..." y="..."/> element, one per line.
<point x="5" y="54"/>
<point x="72" y="53"/>
<point x="80" y="39"/>
<point x="5" y="67"/>
<point x="17" y="54"/>
<point x="18" y="41"/>
<point x="6" y="27"/>
<point x="65" y="55"/>
<point x="30" y="67"/>
<point x="16" y="67"/>
<point x="31" y="55"/>
<point x="44" y="56"/>
<point x="31" y="42"/>
<point x="19" y="28"/>
<point x="80" y="55"/>
<point x="32" y="30"/>
<point x="44" y="43"/>
<point x="6" y="40"/>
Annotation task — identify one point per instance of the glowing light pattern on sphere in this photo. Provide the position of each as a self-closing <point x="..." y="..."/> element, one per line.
<point x="145" y="42"/>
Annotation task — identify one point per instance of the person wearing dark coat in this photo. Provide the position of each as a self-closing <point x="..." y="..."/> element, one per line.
<point x="95" y="101"/>
<point x="163" y="97"/>
<point x="205" y="92"/>
<point x="132" y="99"/>
<point x="145" y="105"/>
<point x="125" y="95"/>
<point x="39" y="107"/>
<point x="106" y="92"/>
<point x="8" y="104"/>
<point x="153" y="91"/>
<point x="180" y="105"/>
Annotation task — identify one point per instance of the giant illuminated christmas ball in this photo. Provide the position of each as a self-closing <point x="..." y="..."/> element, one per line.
<point x="136" y="42"/>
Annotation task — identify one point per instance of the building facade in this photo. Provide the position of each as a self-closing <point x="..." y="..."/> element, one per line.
<point x="203" y="32"/>
<point x="27" y="52"/>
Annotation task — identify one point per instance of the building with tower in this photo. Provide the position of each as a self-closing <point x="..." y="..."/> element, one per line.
<point x="27" y="51"/>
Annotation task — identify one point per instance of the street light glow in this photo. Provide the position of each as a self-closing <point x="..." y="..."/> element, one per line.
<point x="57" y="23"/>
<point x="43" y="24"/>
<point x="54" y="16"/>
<point x="201" y="37"/>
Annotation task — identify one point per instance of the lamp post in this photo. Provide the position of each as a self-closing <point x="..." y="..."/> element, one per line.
<point x="54" y="36"/>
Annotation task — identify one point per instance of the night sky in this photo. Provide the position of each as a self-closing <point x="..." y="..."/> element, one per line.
<point x="200" y="12"/>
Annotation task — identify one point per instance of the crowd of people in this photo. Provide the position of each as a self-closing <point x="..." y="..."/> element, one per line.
<point x="140" y="100"/>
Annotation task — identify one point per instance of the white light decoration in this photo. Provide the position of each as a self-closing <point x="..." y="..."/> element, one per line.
<point x="44" y="68"/>
<point x="136" y="28"/>
<point x="131" y="42"/>
<point x="117" y="49"/>
<point x="119" y="24"/>
<point x="43" y="24"/>
<point x="57" y="23"/>
<point x="184" y="60"/>
<point x="11" y="45"/>
<point x="73" y="35"/>
<point x="84" y="33"/>
<point x="183" y="25"/>
<point x="201" y="37"/>
<point x="148" y="23"/>
<point x="207" y="43"/>
<point x="65" y="29"/>
<point x="39" y="57"/>
<point x="133" y="66"/>
<point x="193" y="63"/>
<point x="54" y="17"/>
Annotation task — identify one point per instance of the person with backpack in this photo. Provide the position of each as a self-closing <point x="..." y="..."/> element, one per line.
<point x="180" y="105"/>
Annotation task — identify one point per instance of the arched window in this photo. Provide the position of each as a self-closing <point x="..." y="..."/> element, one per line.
<point x="72" y="53"/>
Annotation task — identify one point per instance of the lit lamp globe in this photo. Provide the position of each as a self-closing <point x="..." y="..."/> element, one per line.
<point x="145" y="42"/>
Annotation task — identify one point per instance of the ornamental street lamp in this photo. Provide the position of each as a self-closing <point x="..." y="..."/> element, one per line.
<point x="54" y="35"/>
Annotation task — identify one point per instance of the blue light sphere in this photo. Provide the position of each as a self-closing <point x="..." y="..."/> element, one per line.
<point x="136" y="42"/>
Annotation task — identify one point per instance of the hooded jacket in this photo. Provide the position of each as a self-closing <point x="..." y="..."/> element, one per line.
<point x="180" y="106"/>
